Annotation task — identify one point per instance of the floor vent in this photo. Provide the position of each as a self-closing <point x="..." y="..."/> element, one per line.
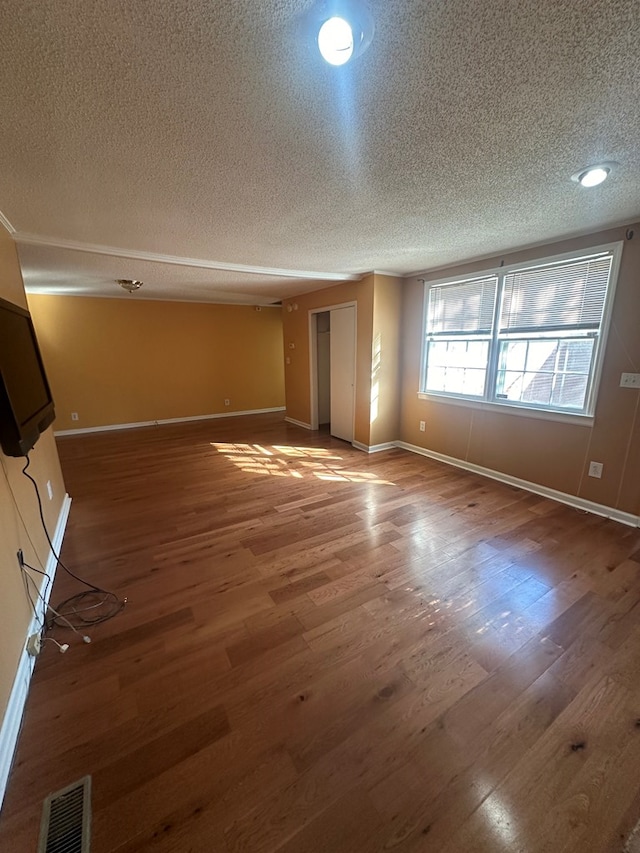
<point x="66" y="820"/>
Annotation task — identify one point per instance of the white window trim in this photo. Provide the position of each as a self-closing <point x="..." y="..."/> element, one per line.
<point x="508" y="409"/>
<point x="512" y="408"/>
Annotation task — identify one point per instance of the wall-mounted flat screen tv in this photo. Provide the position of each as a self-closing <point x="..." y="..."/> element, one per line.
<point x="26" y="404"/>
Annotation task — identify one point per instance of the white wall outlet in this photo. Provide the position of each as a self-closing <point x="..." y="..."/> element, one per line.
<point x="595" y="469"/>
<point x="423" y="426"/>
<point x="34" y="645"/>
<point x="50" y="490"/>
<point x="74" y="416"/>
<point x="227" y="402"/>
<point x="630" y="380"/>
<point x="287" y="360"/>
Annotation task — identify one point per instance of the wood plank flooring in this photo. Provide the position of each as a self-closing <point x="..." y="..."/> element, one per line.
<point x="325" y="652"/>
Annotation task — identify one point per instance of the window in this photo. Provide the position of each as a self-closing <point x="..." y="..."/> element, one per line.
<point x="526" y="335"/>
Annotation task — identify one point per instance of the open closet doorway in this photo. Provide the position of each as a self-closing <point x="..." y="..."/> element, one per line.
<point x="333" y="356"/>
<point x="324" y="368"/>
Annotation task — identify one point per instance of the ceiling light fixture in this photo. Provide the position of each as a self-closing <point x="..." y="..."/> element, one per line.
<point x="129" y="284"/>
<point x="342" y="29"/>
<point x="592" y="176"/>
<point x="335" y="41"/>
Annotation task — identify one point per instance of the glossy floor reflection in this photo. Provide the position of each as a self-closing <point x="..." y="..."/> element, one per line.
<point x="330" y="652"/>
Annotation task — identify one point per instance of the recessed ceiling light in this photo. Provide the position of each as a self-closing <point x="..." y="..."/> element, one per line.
<point x="341" y="29"/>
<point x="335" y="41"/>
<point x="592" y="175"/>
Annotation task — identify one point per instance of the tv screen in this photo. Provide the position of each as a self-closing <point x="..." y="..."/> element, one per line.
<point x="26" y="404"/>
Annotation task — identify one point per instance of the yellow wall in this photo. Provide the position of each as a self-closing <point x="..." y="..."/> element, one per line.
<point x="296" y="332"/>
<point x="385" y="360"/>
<point x="378" y="301"/>
<point x="15" y="613"/>
<point x="117" y="361"/>
<point x="548" y="453"/>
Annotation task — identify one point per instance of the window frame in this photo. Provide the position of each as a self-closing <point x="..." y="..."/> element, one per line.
<point x="488" y="399"/>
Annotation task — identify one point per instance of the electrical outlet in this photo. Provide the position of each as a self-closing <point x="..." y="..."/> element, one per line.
<point x="630" y="380"/>
<point x="422" y="426"/>
<point x="34" y="645"/>
<point x="595" y="469"/>
<point x="50" y="490"/>
<point x="226" y="402"/>
<point x="74" y="416"/>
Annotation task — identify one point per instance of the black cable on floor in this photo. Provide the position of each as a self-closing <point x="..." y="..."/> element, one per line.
<point x="69" y="610"/>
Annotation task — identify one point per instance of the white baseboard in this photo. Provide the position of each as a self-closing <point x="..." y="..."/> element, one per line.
<point x="298" y="423"/>
<point x="110" y="427"/>
<point x="562" y="497"/>
<point x="374" y="448"/>
<point x="10" y="727"/>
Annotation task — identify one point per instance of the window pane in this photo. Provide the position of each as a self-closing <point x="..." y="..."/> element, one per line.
<point x="570" y="391"/>
<point x="556" y="372"/>
<point x="510" y="385"/>
<point x="513" y="355"/>
<point x="576" y="356"/>
<point x="525" y="387"/>
<point x="541" y="355"/>
<point x="537" y="388"/>
<point x="457" y="367"/>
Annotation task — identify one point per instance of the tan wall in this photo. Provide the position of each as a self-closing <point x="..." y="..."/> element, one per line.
<point x="385" y="360"/>
<point x="116" y="361"/>
<point x="296" y="331"/>
<point x="15" y="612"/>
<point x="548" y="453"/>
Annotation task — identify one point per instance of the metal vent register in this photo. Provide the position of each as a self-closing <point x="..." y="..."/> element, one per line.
<point x="66" y="820"/>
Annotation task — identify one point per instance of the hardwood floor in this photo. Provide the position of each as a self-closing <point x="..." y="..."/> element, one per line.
<point x="325" y="651"/>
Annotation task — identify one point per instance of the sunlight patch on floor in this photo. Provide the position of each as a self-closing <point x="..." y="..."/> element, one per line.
<point x="281" y="460"/>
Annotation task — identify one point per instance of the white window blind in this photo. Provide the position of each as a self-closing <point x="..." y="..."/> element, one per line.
<point x="528" y="335"/>
<point x="462" y="307"/>
<point x="556" y="297"/>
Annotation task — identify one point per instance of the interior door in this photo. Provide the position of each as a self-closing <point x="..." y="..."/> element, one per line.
<point x="343" y="368"/>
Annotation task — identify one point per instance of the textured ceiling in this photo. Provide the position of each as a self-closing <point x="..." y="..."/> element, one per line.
<point x="54" y="270"/>
<point x="207" y="129"/>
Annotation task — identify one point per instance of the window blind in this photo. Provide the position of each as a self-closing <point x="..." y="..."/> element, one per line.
<point x="565" y="296"/>
<point x="463" y="307"/>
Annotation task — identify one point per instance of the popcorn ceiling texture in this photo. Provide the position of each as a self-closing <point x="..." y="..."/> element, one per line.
<point x="51" y="270"/>
<point x="210" y="130"/>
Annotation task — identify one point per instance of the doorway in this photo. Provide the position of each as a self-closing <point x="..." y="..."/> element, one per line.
<point x="333" y="355"/>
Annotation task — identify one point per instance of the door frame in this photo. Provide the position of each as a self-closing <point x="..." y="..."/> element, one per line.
<point x="313" y="356"/>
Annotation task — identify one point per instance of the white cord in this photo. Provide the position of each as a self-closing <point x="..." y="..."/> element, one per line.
<point x="62" y="646"/>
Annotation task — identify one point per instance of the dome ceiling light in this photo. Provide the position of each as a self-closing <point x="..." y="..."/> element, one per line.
<point x="342" y="29"/>
<point x="592" y="176"/>
<point x="129" y="284"/>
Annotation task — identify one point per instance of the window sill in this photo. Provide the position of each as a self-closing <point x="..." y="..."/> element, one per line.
<point x="505" y="409"/>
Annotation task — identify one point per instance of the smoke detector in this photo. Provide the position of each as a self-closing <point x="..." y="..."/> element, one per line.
<point x="129" y="284"/>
